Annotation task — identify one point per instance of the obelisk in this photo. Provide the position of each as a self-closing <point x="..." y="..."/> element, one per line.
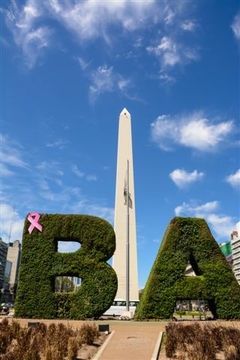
<point x="125" y="224"/>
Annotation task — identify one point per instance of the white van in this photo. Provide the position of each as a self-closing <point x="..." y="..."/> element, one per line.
<point x="118" y="308"/>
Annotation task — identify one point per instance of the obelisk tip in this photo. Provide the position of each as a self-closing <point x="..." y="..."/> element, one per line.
<point x="124" y="112"/>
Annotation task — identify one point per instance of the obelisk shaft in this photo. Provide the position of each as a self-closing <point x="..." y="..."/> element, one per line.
<point x="124" y="156"/>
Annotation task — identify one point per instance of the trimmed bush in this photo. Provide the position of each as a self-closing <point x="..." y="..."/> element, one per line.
<point x="41" y="263"/>
<point x="189" y="240"/>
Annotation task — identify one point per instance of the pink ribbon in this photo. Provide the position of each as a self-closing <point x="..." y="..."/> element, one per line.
<point x="33" y="218"/>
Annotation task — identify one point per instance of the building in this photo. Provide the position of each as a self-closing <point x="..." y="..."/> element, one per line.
<point x="3" y="260"/>
<point x="235" y="243"/>
<point x="13" y="256"/>
<point x="125" y="256"/>
<point x="226" y="249"/>
<point x="5" y="293"/>
<point x="7" y="274"/>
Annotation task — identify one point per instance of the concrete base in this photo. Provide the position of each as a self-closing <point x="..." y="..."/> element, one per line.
<point x="126" y="315"/>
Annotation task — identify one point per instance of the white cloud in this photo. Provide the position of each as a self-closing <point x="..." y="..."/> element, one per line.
<point x="104" y="79"/>
<point x="236" y="26"/>
<point x="89" y="20"/>
<point x="85" y="18"/>
<point x="166" y="78"/>
<point x="11" y="223"/>
<point x="237" y="227"/>
<point x="80" y="174"/>
<point x="203" y="135"/>
<point x="13" y="159"/>
<point x="172" y="52"/>
<point x="183" y="178"/>
<point x="191" y="130"/>
<point x="123" y="83"/>
<point x="40" y="189"/>
<point x="188" y="25"/>
<point x="222" y="225"/>
<point x="234" y="179"/>
<point x="169" y="18"/>
<point x="77" y="172"/>
<point x="57" y="197"/>
<point x="83" y="64"/>
<point x="163" y="130"/>
<point x="30" y="38"/>
<point x="4" y="42"/>
<point x="11" y="155"/>
<point x="207" y="207"/>
<point x="60" y="144"/>
<point x="49" y="168"/>
<point x="138" y="43"/>
<point x="167" y="50"/>
<point x="5" y="171"/>
<point x="100" y="211"/>
<point x="194" y="208"/>
<point x="91" y="178"/>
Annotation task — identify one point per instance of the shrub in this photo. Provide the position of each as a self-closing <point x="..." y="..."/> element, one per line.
<point x="72" y="348"/>
<point x="196" y="342"/>
<point x="41" y="263"/>
<point x="89" y="333"/>
<point x="189" y="240"/>
<point x="42" y="342"/>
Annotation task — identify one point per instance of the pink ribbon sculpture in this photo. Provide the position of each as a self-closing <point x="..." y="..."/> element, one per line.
<point x="33" y="218"/>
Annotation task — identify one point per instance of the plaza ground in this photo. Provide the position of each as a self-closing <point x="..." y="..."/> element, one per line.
<point x="127" y="340"/>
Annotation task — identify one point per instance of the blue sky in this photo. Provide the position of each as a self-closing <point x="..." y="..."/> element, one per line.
<point x="70" y="67"/>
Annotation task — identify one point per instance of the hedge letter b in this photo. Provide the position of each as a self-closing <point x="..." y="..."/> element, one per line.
<point x="41" y="263"/>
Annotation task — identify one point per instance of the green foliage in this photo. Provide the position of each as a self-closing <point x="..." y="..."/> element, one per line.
<point x="181" y="312"/>
<point x="189" y="240"/>
<point x="41" y="264"/>
<point x="63" y="305"/>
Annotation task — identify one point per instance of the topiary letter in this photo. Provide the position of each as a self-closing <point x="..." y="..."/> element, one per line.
<point x="41" y="263"/>
<point x="189" y="240"/>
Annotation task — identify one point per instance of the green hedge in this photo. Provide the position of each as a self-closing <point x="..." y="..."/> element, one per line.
<point x="189" y="240"/>
<point x="41" y="263"/>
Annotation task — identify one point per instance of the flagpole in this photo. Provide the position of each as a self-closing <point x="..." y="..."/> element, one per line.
<point x="127" y="242"/>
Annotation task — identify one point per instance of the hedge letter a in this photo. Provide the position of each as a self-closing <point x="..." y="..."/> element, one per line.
<point x="189" y="241"/>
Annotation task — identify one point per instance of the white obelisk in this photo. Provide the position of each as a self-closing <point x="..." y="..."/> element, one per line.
<point x="125" y="256"/>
